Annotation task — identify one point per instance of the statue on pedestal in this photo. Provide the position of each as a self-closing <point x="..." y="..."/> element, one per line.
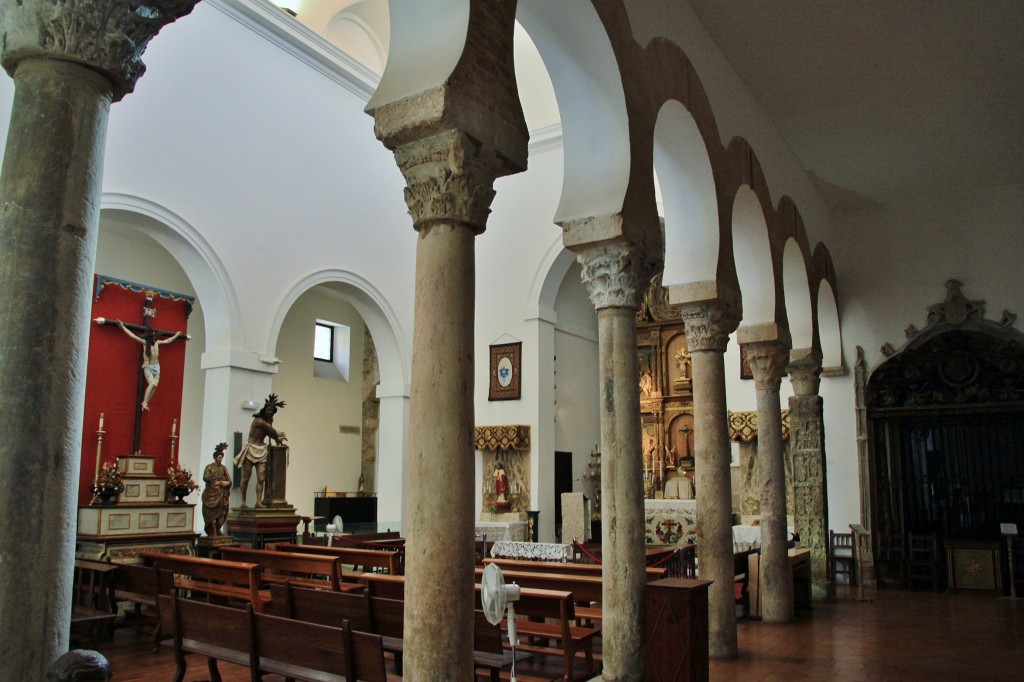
<point x="500" y="484"/>
<point x="217" y="494"/>
<point x="255" y="450"/>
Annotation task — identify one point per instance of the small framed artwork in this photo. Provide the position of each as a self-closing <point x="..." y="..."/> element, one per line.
<point x="505" y="371"/>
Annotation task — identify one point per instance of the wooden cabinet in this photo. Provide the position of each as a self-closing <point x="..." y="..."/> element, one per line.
<point x="676" y="630"/>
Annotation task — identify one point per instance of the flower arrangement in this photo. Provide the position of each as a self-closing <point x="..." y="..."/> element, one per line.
<point x="110" y="476"/>
<point x="178" y="478"/>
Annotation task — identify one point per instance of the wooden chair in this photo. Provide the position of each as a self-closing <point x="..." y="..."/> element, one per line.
<point x="890" y="564"/>
<point x="139" y="586"/>
<point x="922" y="561"/>
<point x="842" y="557"/>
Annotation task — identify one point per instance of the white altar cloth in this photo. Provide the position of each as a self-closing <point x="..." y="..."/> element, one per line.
<point x="537" y="551"/>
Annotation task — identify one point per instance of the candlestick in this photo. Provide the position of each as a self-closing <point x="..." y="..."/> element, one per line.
<point x="99" y="457"/>
<point x="174" y="439"/>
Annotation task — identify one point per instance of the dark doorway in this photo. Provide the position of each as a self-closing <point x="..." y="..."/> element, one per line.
<point x="563" y="484"/>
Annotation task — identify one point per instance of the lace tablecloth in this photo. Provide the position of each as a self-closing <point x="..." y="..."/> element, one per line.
<point x="536" y="551"/>
<point x="749" y="537"/>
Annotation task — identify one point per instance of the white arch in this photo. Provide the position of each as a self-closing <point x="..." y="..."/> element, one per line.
<point x="213" y="286"/>
<point x="753" y="255"/>
<point x="548" y="278"/>
<point x="380" y="318"/>
<point x="828" y="328"/>
<point x="688" y="194"/>
<point x="797" y="296"/>
<point x="572" y="42"/>
<point x="426" y="43"/>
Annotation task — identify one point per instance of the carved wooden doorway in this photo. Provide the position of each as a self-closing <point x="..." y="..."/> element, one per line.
<point x="946" y="416"/>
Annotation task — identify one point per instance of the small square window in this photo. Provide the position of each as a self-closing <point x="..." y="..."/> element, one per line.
<point x="323" y="343"/>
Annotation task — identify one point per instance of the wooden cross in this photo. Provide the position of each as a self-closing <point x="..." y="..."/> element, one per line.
<point x="148" y="313"/>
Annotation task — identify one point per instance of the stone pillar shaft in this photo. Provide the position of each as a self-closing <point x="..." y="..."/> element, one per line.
<point x="807" y="447"/>
<point x="439" y="504"/>
<point x="707" y="334"/>
<point x="767" y="361"/>
<point x="49" y="218"/>
<point x="612" y="279"/>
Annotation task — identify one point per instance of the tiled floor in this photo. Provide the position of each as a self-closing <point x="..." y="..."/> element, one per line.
<point x="895" y="636"/>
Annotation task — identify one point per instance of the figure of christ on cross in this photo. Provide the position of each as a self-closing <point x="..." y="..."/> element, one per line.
<point x="149" y="339"/>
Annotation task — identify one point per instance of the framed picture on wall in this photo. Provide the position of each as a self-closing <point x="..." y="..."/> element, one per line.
<point x="745" y="371"/>
<point x="506" y="365"/>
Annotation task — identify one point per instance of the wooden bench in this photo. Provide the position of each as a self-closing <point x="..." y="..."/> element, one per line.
<point x="384" y="585"/>
<point x="269" y="644"/>
<point x="92" y="599"/>
<point x="385" y="559"/>
<point x="653" y="573"/>
<point x="217" y="632"/>
<point x="315" y="571"/>
<point x="218" y="579"/>
<point x="303" y="650"/>
<point x="548" y="615"/>
<point x="315" y="606"/>
<point x="138" y="585"/>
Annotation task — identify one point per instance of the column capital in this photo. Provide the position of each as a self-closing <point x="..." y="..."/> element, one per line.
<point x="708" y="325"/>
<point x="108" y="36"/>
<point x="767" y="360"/>
<point x="615" y="276"/>
<point x="804" y="372"/>
<point x="449" y="178"/>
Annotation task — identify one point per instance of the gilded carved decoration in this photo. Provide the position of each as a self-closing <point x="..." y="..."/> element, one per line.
<point x="108" y="36"/>
<point x="506" y="437"/>
<point x="743" y="426"/>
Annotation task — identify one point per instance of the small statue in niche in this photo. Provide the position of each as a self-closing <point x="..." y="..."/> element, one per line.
<point x="646" y="379"/>
<point x="683" y="361"/>
<point x="361" y="488"/>
<point x="500" y="484"/>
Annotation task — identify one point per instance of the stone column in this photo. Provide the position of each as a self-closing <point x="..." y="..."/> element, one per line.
<point x="69" y="61"/>
<point x="767" y="362"/>
<point x="708" y="326"/>
<point x="807" y="448"/>
<point x="616" y="282"/>
<point x="452" y="134"/>
<point x="439" y="502"/>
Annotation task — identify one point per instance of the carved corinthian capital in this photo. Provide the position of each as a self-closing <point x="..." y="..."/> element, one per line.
<point x="614" y="276"/>
<point x="767" y="360"/>
<point x="108" y="36"/>
<point x="804" y="372"/>
<point x="708" y="325"/>
<point x="449" y="178"/>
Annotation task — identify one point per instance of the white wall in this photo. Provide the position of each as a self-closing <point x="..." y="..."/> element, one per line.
<point x="320" y="454"/>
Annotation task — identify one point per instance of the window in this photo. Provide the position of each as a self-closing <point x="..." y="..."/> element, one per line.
<point x="331" y="349"/>
<point x="323" y="342"/>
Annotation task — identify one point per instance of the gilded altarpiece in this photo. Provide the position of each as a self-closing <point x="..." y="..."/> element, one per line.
<point x="666" y="391"/>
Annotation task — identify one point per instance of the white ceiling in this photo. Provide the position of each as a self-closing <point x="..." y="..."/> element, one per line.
<point x="884" y="100"/>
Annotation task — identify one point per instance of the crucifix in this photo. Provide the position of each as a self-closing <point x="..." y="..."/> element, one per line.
<point x="150" y="339"/>
<point x="686" y="431"/>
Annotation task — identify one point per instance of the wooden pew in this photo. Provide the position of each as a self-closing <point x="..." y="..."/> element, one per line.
<point x="267" y="644"/>
<point x="550" y="614"/>
<point x="386" y="559"/>
<point x="314" y="606"/>
<point x="302" y="650"/>
<point x="216" y="578"/>
<point x="653" y="573"/>
<point x="139" y="586"/>
<point x="384" y="585"/>
<point x="315" y="571"/>
<point x="92" y="599"/>
<point x="217" y="632"/>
